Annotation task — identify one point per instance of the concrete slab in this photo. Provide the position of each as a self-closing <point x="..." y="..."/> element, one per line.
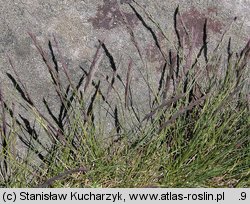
<point x="78" y="24"/>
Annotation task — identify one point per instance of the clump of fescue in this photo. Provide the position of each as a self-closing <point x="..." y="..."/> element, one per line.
<point x="196" y="133"/>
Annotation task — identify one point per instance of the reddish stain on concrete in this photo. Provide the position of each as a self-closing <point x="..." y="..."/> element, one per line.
<point x="195" y="19"/>
<point x="108" y="16"/>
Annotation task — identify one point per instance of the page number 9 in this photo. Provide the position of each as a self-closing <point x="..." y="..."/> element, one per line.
<point x="243" y="196"/>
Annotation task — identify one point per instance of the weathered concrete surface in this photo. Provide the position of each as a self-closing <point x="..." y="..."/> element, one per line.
<point x="78" y="24"/>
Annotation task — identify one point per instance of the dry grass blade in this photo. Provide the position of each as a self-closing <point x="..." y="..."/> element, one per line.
<point x="42" y="53"/>
<point x="110" y="56"/>
<point x="64" y="65"/>
<point x="117" y="123"/>
<point x="128" y="83"/>
<point x="18" y="84"/>
<point x="176" y="14"/>
<point x="112" y="64"/>
<point x="114" y="68"/>
<point x="166" y="88"/>
<point x="161" y="82"/>
<point x="3" y="131"/>
<point x="56" y="80"/>
<point x="149" y="29"/>
<point x="131" y="33"/>
<point x="164" y="104"/>
<point x="61" y="176"/>
<point x="111" y="83"/>
<point x="3" y="126"/>
<point x="132" y="37"/>
<point x="25" y="94"/>
<point x="152" y="19"/>
<point x="182" y="111"/>
<point x="169" y="77"/>
<point x="190" y="53"/>
<point x="93" y="67"/>
<point x="53" y="57"/>
<point x="243" y="61"/>
<point x="226" y="30"/>
<point x="93" y="98"/>
<point x="229" y="52"/>
<point x="205" y="41"/>
<point x="92" y="71"/>
<point x="114" y="75"/>
<point x="54" y="76"/>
